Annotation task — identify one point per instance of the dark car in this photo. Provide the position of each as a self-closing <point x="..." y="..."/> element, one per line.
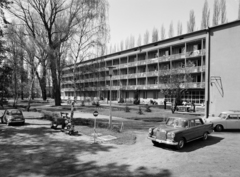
<point x="12" y="116"/>
<point x="3" y="101"/>
<point x="177" y="131"/>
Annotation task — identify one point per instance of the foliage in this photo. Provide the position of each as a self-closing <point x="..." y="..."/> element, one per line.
<point x="127" y="109"/>
<point x="140" y="111"/>
<point x="148" y="108"/>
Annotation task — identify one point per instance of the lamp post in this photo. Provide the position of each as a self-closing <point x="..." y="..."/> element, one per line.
<point x="110" y="111"/>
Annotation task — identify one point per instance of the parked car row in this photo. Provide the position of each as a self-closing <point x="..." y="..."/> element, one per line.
<point x="178" y="131"/>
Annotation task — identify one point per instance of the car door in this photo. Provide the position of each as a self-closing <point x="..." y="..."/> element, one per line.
<point x="199" y="127"/>
<point x="232" y="121"/>
<point x="190" y="132"/>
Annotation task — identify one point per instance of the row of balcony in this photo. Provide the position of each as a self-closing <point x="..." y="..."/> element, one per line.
<point x="172" y="57"/>
<point x="196" y="85"/>
<point x="196" y="69"/>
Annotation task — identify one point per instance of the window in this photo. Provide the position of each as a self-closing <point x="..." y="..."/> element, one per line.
<point x="198" y="122"/>
<point x="192" y="123"/>
<point x="144" y="94"/>
<point x="232" y="117"/>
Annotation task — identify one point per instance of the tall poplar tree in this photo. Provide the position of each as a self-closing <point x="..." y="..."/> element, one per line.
<point x="191" y="24"/>
<point x="205" y="16"/>
<point x="163" y="33"/>
<point x="179" y="28"/>
<point x="223" y="12"/>
<point x="171" y="31"/>
<point x="216" y="13"/>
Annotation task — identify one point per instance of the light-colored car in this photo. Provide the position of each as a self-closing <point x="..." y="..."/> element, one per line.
<point x="225" y="120"/>
<point x="11" y="116"/>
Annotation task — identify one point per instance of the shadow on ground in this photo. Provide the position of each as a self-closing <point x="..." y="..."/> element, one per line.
<point x="38" y="151"/>
<point x="194" y="145"/>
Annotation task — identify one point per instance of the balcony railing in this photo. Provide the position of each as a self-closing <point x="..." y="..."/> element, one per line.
<point x="152" y="73"/>
<point x="141" y="74"/>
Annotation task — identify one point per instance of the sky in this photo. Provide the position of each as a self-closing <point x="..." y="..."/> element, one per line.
<point x="134" y="17"/>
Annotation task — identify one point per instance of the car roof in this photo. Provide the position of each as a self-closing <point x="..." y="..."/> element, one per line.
<point x="231" y="112"/>
<point x="186" y="118"/>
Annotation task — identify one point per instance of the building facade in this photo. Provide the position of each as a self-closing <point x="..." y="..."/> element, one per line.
<point x="214" y="53"/>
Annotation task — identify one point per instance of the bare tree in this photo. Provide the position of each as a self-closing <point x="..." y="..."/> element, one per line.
<point x="223" y="12"/>
<point x="163" y="33"/>
<point x="205" y="16"/>
<point x="216" y="13"/>
<point x="139" y="41"/>
<point x="146" y="37"/>
<point x="176" y="81"/>
<point x="191" y="24"/>
<point x="154" y="35"/>
<point x="59" y="20"/>
<point x="179" y="28"/>
<point x="171" y="31"/>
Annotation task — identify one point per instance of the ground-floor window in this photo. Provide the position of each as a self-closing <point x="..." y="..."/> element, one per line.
<point x="144" y="94"/>
<point x="195" y="96"/>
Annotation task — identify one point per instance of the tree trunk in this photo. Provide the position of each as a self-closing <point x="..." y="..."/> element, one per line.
<point x="42" y="82"/>
<point x="30" y="95"/>
<point x="56" y="86"/>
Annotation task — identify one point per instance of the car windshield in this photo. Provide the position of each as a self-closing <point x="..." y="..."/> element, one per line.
<point x="223" y="116"/>
<point x="175" y="122"/>
<point x="16" y="112"/>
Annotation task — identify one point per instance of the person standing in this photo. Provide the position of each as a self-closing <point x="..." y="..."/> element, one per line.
<point x="165" y="103"/>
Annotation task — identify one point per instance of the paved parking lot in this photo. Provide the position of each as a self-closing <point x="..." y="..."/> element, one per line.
<point x="36" y="150"/>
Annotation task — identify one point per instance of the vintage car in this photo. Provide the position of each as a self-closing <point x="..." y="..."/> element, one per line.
<point x="225" y="120"/>
<point x="177" y="131"/>
<point x="11" y="116"/>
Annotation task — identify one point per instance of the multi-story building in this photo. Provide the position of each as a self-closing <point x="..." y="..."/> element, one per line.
<point x="215" y="75"/>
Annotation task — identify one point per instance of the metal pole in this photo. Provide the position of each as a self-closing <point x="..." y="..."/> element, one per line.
<point x="110" y="118"/>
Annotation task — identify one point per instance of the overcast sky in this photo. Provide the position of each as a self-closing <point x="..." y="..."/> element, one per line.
<point x="134" y="17"/>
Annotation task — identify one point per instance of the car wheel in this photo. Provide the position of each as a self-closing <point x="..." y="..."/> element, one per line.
<point x="155" y="143"/>
<point x="219" y="128"/>
<point x="180" y="144"/>
<point x="205" y="136"/>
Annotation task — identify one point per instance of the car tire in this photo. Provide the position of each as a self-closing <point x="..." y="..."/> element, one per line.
<point x="180" y="144"/>
<point x="219" y="128"/>
<point x="155" y="143"/>
<point x="205" y="136"/>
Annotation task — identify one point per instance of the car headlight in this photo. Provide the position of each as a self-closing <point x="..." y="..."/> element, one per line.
<point x="171" y="135"/>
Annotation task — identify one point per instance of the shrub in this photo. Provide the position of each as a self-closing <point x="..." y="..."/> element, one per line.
<point x="148" y="108"/>
<point x="127" y="109"/>
<point x="140" y="111"/>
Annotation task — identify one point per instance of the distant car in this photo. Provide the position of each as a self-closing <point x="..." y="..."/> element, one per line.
<point x="12" y="116"/>
<point x="3" y="101"/>
<point x="177" y="131"/>
<point x="225" y="120"/>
